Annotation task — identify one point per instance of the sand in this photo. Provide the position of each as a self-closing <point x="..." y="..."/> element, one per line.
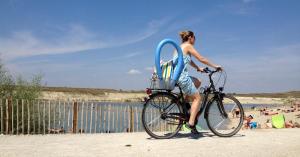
<point x="247" y="143"/>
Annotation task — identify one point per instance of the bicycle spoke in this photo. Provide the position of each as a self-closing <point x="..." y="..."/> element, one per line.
<point x="155" y="119"/>
<point x="217" y="126"/>
<point x="168" y="107"/>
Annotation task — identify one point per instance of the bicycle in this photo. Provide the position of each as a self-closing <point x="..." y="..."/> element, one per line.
<point x="165" y="112"/>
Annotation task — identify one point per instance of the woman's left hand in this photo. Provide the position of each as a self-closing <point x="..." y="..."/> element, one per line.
<point x="200" y="69"/>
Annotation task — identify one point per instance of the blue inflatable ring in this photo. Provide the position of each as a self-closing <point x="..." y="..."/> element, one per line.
<point x="179" y="66"/>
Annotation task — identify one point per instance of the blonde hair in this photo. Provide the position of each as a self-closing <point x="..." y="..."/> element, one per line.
<point x="185" y="35"/>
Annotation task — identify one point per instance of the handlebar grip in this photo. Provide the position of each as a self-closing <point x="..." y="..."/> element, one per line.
<point x="206" y="70"/>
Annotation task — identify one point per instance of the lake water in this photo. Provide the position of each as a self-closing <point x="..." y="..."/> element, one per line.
<point x="101" y="117"/>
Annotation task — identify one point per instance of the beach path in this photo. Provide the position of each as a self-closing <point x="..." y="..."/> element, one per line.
<point x="260" y="142"/>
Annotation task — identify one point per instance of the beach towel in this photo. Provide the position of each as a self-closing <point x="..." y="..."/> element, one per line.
<point x="167" y="72"/>
<point x="253" y="125"/>
<point x="278" y="121"/>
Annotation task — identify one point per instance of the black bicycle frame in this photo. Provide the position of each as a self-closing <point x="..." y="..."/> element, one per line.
<point x="218" y="95"/>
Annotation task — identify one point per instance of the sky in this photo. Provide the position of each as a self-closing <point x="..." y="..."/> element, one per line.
<point x="111" y="44"/>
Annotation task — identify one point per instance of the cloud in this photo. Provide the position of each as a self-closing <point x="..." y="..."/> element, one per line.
<point x="248" y="1"/>
<point x="133" y="72"/>
<point x="72" y="39"/>
<point x="149" y="68"/>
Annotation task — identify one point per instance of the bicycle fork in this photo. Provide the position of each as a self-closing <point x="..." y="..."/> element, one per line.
<point x="221" y="105"/>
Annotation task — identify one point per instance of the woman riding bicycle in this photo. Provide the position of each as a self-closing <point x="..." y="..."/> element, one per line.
<point x="187" y="83"/>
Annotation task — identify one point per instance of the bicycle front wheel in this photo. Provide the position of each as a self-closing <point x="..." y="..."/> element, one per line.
<point x="225" y="117"/>
<point x="161" y="116"/>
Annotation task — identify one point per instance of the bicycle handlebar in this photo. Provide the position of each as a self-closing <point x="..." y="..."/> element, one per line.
<point x="207" y="70"/>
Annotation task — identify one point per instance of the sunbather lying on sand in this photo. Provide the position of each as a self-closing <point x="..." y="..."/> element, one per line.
<point x="289" y="124"/>
<point x="268" y="124"/>
<point x="248" y="121"/>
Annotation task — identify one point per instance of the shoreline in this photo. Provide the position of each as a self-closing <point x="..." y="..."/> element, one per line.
<point x="139" y="97"/>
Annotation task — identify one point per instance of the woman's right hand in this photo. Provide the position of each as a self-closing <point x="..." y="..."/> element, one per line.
<point x="219" y="68"/>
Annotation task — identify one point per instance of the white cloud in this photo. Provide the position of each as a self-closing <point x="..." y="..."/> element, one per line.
<point x="133" y="72"/>
<point x="149" y="68"/>
<point x="75" y="38"/>
<point x="248" y="1"/>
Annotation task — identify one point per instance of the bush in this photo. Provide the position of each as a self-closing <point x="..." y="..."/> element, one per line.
<point x="19" y="88"/>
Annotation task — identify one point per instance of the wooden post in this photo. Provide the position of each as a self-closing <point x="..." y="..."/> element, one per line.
<point x="86" y="116"/>
<point x="128" y="118"/>
<point x="64" y="115"/>
<point x="17" y="117"/>
<point x="69" y="112"/>
<point x="100" y="118"/>
<point x="33" y="116"/>
<point x="54" y="114"/>
<point x="44" y="118"/>
<point x="137" y="118"/>
<point x="104" y="118"/>
<point x="117" y="119"/>
<point x="28" y="117"/>
<point x="1" y="116"/>
<point x="23" y="117"/>
<point x="7" y="117"/>
<point x="59" y="115"/>
<point x="49" y="117"/>
<point x="121" y="129"/>
<point x="81" y="117"/>
<point x="108" y="118"/>
<point x="131" y="119"/>
<point x="96" y="119"/>
<point x="11" y="108"/>
<point x="91" y="118"/>
<point x="39" y="117"/>
<point x="75" y="117"/>
<point x="113" y="120"/>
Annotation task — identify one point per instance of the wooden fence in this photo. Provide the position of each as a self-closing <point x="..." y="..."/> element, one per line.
<point x="47" y="116"/>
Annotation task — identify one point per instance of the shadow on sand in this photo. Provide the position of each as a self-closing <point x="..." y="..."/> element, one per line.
<point x="198" y="136"/>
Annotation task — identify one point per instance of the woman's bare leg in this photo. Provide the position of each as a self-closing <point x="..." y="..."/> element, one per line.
<point x="194" y="108"/>
<point x="197" y="84"/>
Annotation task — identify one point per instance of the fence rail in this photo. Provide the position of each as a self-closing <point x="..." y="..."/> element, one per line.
<point x="58" y="116"/>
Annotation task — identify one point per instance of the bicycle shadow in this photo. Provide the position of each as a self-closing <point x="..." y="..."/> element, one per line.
<point x="197" y="136"/>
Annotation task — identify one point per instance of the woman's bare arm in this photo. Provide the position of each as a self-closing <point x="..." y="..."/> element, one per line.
<point x="193" y="64"/>
<point x="200" y="58"/>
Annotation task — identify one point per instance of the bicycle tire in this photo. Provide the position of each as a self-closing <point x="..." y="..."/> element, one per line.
<point x="210" y="118"/>
<point x="155" y="99"/>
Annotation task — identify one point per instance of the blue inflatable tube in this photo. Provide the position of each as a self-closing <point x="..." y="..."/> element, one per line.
<point x="179" y="66"/>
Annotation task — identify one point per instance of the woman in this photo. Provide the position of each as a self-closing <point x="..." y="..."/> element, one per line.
<point x="187" y="83"/>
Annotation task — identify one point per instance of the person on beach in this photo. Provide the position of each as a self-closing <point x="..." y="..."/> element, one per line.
<point x="235" y="113"/>
<point x="289" y="124"/>
<point x="248" y="121"/>
<point x="187" y="83"/>
<point x="268" y="124"/>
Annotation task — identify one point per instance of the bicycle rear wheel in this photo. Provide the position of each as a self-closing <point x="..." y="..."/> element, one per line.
<point x="228" y="124"/>
<point x="161" y="116"/>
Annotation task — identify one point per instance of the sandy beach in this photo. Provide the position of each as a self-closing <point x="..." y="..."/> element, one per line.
<point x="261" y="118"/>
<point x="137" y="97"/>
<point x="247" y="143"/>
